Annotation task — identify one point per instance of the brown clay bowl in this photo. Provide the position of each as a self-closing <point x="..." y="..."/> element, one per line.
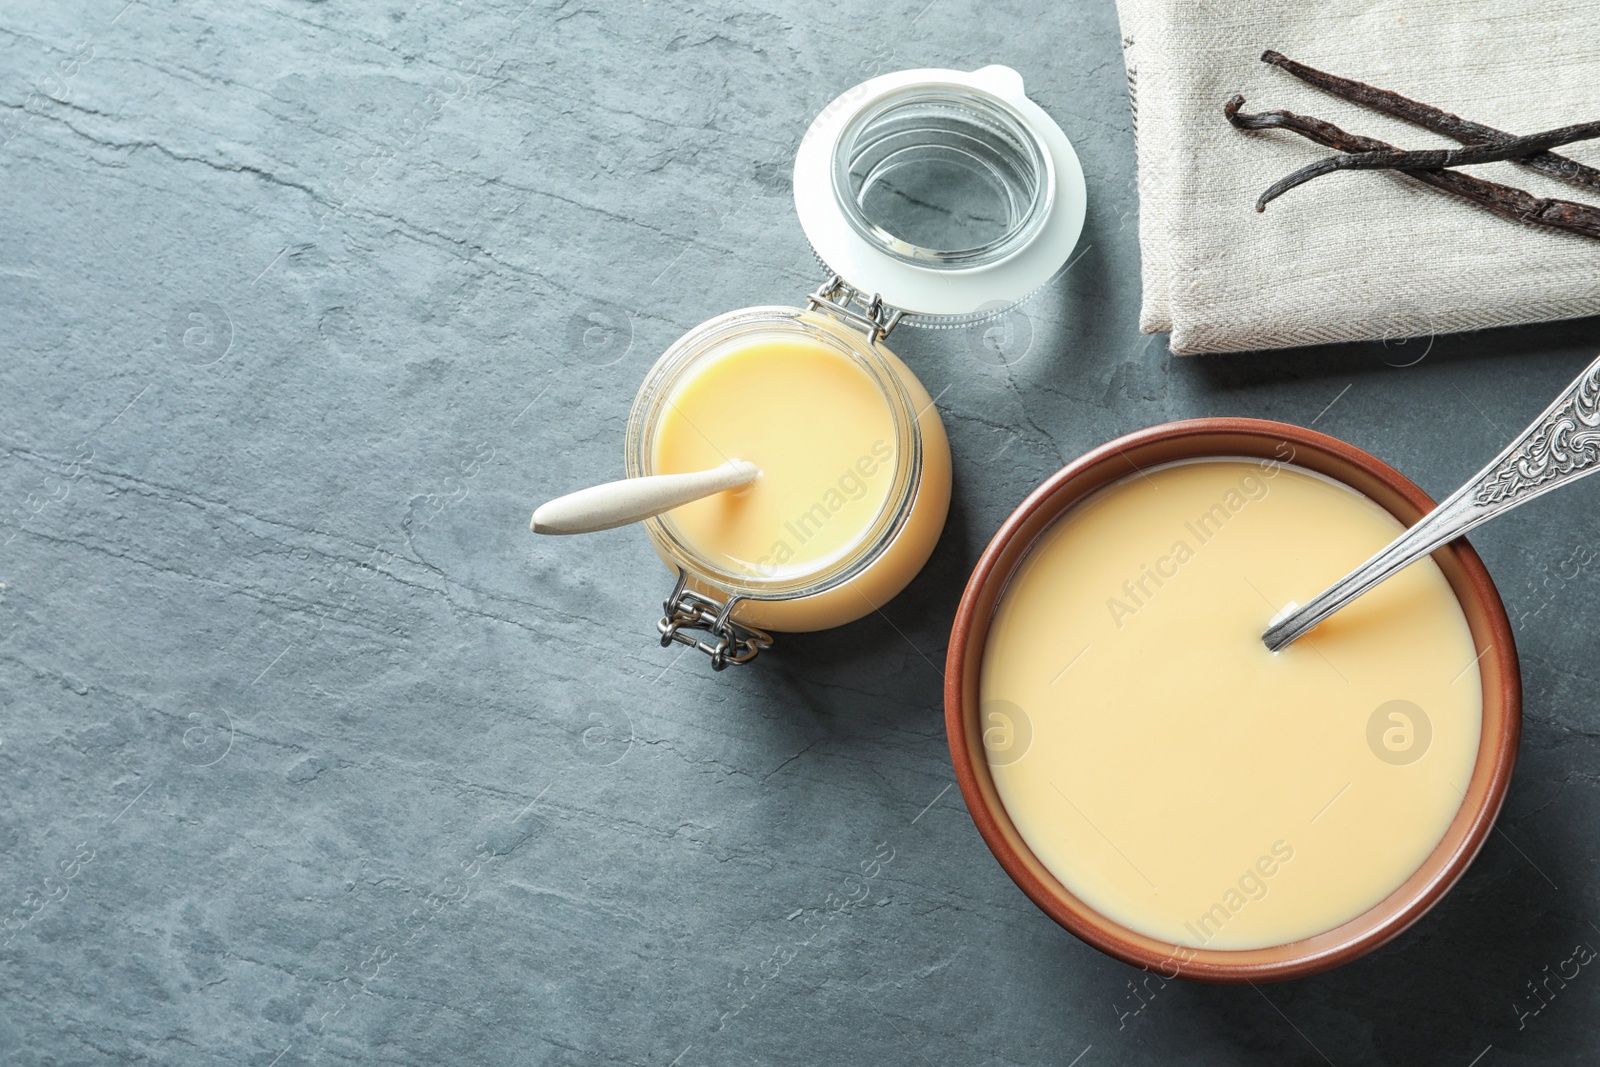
<point x="1199" y="438"/>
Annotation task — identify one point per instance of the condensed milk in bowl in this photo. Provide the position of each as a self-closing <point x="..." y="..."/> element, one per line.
<point x="1168" y="789"/>
<point x="933" y="198"/>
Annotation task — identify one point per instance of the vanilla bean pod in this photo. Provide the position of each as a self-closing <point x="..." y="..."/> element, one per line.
<point x="1502" y="200"/>
<point x="1433" y="158"/>
<point x="1430" y="118"/>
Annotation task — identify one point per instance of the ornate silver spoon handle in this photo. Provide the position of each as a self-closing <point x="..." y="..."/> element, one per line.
<point x="1560" y="447"/>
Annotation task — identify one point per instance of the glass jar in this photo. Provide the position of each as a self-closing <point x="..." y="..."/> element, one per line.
<point x="878" y="561"/>
<point x="937" y="198"/>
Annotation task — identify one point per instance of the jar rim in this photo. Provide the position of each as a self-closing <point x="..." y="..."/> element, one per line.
<point x="729" y="331"/>
<point x="942" y="290"/>
<point x="989" y="135"/>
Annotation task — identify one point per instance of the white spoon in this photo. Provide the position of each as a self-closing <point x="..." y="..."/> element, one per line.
<point x="602" y="507"/>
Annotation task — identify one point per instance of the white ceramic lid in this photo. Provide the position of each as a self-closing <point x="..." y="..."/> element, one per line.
<point x="933" y="286"/>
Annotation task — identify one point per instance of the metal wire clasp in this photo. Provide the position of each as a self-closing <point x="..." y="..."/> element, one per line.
<point x="688" y="614"/>
<point x="842" y="300"/>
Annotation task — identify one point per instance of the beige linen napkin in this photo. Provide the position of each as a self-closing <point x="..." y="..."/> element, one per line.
<point x="1353" y="255"/>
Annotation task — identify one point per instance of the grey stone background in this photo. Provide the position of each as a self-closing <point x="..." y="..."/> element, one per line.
<point x="311" y="753"/>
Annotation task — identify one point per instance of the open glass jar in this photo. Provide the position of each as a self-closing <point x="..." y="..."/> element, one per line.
<point x="937" y="198"/>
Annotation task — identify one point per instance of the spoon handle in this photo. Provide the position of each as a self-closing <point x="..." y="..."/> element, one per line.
<point x="602" y="507"/>
<point x="1561" y="446"/>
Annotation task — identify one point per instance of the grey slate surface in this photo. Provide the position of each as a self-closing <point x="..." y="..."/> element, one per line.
<point x="311" y="753"/>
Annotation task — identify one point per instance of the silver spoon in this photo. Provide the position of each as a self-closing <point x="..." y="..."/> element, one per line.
<point x="1560" y="447"/>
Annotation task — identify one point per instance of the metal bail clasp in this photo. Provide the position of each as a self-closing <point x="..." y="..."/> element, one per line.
<point x="838" y="298"/>
<point x="688" y="614"/>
